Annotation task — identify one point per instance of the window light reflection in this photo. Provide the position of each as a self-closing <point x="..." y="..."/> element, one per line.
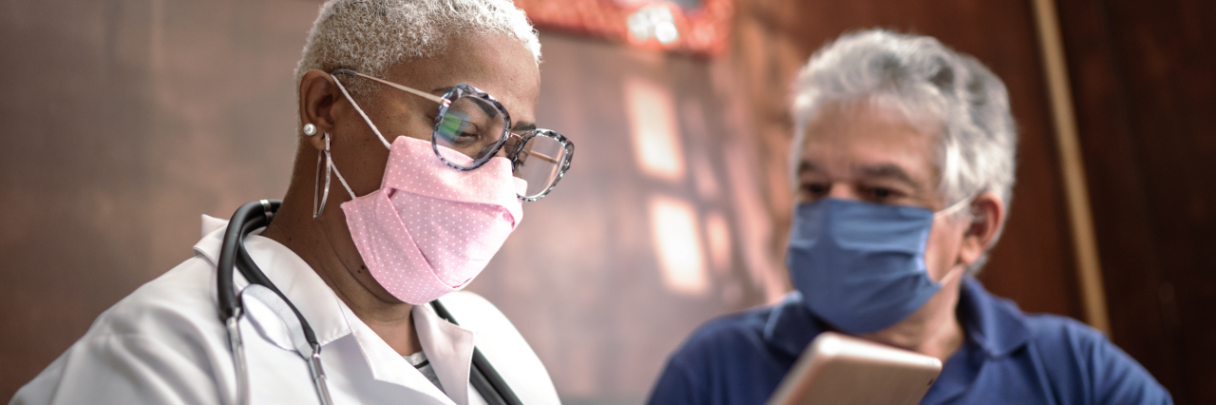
<point x="654" y="130"/>
<point x="717" y="236"/>
<point x="678" y="246"/>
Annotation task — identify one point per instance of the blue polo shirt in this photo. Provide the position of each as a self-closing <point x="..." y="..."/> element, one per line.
<point x="1008" y="358"/>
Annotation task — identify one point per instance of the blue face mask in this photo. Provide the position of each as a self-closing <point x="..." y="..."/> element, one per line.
<point x="861" y="266"/>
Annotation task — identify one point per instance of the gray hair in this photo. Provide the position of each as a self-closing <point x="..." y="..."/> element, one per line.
<point x="370" y="36"/>
<point x="922" y="79"/>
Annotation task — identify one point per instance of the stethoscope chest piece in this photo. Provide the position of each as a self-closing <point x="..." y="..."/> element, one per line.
<point x="304" y="345"/>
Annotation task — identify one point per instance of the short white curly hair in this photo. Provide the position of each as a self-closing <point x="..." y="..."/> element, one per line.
<point x="370" y="36"/>
<point x="925" y="81"/>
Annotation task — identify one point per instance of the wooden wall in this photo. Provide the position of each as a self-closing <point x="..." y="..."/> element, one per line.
<point x="1144" y="80"/>
<point x="124" y="120"/>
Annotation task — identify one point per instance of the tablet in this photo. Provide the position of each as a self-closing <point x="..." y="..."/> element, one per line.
<point x="843" y="370"/>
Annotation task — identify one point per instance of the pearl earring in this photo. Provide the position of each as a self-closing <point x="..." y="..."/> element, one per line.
<point x="310" y="129"/>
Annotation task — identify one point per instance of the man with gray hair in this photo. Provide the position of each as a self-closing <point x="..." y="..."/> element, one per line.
<point x="903" y="162"/>
<point x="424" y="112"/>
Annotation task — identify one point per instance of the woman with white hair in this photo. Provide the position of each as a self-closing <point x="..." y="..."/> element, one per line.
<point x="424" y="113"/>
<point x="903" y="165"/>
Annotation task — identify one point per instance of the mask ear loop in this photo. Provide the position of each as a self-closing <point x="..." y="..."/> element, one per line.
<point x="950" y="275"/>
<point x="966" y="202"/>
<point x="329" y="168"/>
<point x="329" y="160"/>
<point x="339" y="174"/>
<point x="953" y="208"/>
<point x="361" y="113"/>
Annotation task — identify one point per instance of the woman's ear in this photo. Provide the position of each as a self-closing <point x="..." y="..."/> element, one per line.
<point x="318" y="94"/>
<point x="988" y="217"/>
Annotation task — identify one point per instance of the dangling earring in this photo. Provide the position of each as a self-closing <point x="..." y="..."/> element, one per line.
<point x="330" y="169"/>
<point x="316" y="208"/>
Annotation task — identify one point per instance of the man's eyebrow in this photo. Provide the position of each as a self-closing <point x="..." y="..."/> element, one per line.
<point x="523" y="126"/>
<point x="806" y="167"/>
<point x="885" y="171"/>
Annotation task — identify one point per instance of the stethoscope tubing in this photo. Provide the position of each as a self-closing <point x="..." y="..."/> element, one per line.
<point x="233" y="255"/>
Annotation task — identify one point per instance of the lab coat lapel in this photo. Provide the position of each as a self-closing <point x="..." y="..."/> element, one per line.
<point x="449" y="348"/>
<point x="386" y="364"/>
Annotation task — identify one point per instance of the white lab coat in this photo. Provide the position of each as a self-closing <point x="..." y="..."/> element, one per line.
<point x="164" y="344"/>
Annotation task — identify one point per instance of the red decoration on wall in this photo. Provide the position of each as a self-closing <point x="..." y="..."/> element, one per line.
<point x="703" y="31"/>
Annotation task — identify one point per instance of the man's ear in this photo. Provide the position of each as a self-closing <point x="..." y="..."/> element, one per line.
<point x="988" y="217"/>
<point x="318" y="94"/>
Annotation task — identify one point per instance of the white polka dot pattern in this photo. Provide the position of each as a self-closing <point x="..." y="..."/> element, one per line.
<point x="430" y="229"/>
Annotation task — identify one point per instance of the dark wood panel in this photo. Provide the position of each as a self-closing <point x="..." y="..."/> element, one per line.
<point x="125" y="120"/>
<point x="1144" y="94"/>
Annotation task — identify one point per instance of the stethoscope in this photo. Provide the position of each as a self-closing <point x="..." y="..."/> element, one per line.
<point x="257" y="214"/>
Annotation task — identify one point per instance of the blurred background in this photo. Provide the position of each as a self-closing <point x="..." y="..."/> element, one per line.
<point x="124" y="120"/>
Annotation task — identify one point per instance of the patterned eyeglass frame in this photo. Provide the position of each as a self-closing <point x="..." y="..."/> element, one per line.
<point x="466" y="90"/>
<point x="562" y="166"/>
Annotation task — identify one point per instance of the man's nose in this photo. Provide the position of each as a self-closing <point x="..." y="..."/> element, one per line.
<point x="843" y="191"/>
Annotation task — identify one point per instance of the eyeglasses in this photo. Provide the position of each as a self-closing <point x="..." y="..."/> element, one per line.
<point x="471" y="127"/>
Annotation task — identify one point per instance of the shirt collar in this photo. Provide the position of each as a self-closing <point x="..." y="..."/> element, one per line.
<point x="449" y="347"/>
<point x="994" y="324"/>
<point x="790" y="326"/>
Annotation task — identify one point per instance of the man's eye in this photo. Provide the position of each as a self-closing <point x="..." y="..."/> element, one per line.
<point x="815" y="190"/>
<point x="879" y="193"/>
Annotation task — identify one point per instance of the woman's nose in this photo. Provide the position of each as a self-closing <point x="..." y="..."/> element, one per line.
<point x="509" y="145"/>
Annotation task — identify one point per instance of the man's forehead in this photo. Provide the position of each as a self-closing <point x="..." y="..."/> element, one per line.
<point x="863" y="160"/>
<point x="857" y="169"/>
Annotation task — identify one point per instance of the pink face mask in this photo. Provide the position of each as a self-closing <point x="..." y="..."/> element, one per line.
<point x="430" y="229"/>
